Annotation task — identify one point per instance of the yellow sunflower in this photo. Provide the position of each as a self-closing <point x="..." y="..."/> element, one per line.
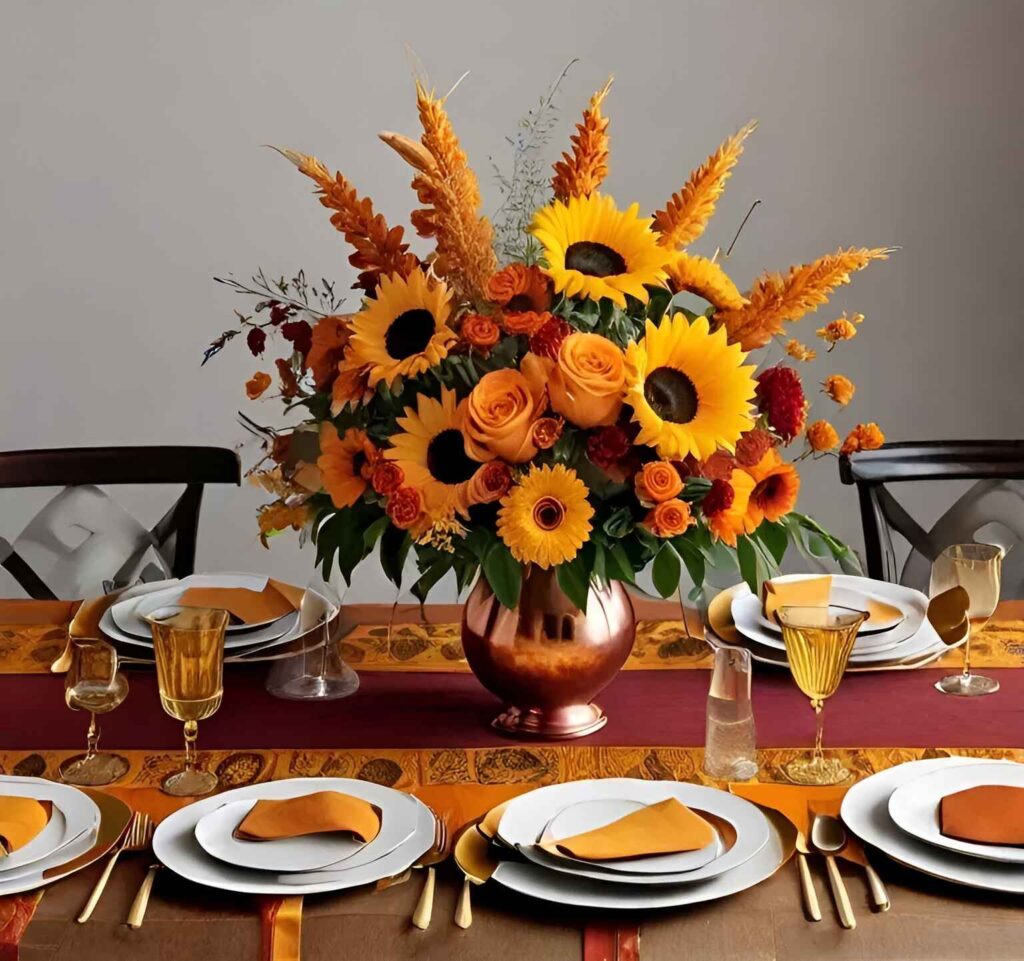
<point x="688" y="389"/>
<point x="545" y="518"/>
<point x="404" y="330"/>
<point x="432" y="454"/>
<point x="594" y="250"/>
<point x="704" y="278"/>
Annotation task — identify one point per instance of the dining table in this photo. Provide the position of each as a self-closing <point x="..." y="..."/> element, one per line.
<point x="420" y="722"/>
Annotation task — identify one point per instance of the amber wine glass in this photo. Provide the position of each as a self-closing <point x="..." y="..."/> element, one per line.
<point x="977" y="568"/>
<point x="189" y="647"/>
<point x="818" y="642"/>
<point x="94" y="684"/>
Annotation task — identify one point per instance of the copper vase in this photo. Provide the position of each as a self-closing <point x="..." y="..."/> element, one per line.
<point x="546" y="659"/>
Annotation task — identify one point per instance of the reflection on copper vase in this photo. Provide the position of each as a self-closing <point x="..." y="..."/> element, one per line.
<point x="546" y="659"/>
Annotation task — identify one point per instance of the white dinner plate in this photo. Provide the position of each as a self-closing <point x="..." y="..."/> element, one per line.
<point x="915" y="806"/>
<point x="851" y="591"/>
<point x="590" y="815"/>
<point x="311" y="852"/>
<point x="865" y="811"/>
<point x="526" y="816"/>
<point x="176" y="847"/>
<point x="538" y="882"/>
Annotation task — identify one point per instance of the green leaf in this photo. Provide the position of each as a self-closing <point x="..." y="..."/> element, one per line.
<point x="394" y="549"/>
<point x="775" y="538"/>
<point x="504" y="574"/>
<point x="619" y="523"/>
<point x="465" y="572"/>
<point x="753" y="567"/>
<point x="695" y="488"/>
<point x="618" y="565"/>
<point x="573" y="580"/>
<point x="658" y="299"/>
<point x="817" y="546"/>
<point x="374" y="531"/>
<point x="430" y="577"/>
<point x="666" y="570"/>
<point x="692" y="558"/>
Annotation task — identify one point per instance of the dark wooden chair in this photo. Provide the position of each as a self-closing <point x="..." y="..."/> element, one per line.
<point x="82" y="541"/>
<point x="991" y="510"/>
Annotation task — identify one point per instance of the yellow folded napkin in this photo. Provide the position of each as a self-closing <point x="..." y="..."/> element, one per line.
<point x="322" y="811"/>
<point x="987" y="814"/>
<point x="21" y="819"/>
<point x="244" y="605"/>
<point x="667" y="827"/>
<point x="809" y="592"/>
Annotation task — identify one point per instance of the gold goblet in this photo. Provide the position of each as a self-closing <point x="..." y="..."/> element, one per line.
<point x="189" y="647"/>
<point x="978" y="569"/>
<point x="93" y="684"/>
<point x="818" y="642"/>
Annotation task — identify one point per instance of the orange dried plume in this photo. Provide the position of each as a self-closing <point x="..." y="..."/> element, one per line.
<point x="687" y="213"/>
<point x="446" y="184"/>
<point x="379" y="249"/>
<point x="776" y="298"/>
<point x="580" y="173"/>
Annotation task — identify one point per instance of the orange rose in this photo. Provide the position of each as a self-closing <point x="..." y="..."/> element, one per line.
<point x="500" y="414"/>
<point x="480" y="331"/>
<point x="387" y="477"/>
<point x="669" y="518"/>
<point x="257" y="384"/>
<point x="587" y="384"/>
<point x="405" y="507"/>
<point x="546" y="432"/>
<point x="490" y="483"/>
<point x="519" y="287"/>
<point x="656" y="482"/>
<point x="526" y="322"/>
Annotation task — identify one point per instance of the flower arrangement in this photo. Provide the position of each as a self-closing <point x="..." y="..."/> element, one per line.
<point x="561" y="409"/>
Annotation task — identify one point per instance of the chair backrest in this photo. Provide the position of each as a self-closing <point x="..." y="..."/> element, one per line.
<point x="82" y="542"/>
<point x="990" y="511"/>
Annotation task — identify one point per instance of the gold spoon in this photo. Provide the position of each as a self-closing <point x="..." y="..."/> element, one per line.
<point x="476" y="862"/>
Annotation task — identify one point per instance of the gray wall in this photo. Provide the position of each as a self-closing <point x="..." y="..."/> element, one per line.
<point x="132" y="172"/>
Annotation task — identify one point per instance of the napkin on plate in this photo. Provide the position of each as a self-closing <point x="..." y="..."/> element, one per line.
<point x="986" y="814"/>
<point x="271" y="820"/>
<point x="21" y="819"/>
<point x="667" y="827"/>
<point x="809" y="592"/>
<point x="244" y="605"/>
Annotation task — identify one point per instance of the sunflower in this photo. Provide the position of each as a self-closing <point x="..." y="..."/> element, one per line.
<point x="545" y="518"/>
<point x="594" y="250"/>
<point x="704" y="278"/>
<point x="432" y="454"/>
<point x="404" y="330"/>
<point x="776" y="485"/>
<point x="346" y="463"/>
<point x="688" y="389"/>
<point x="727" y="523"/>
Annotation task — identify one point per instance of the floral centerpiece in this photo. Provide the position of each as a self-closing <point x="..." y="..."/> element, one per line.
<point x="558" y="408"/>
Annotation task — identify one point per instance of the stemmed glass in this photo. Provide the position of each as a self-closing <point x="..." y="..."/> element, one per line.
<point x="978" y="569"/>
<point x="189" y="646"/>
<point x="819" y="641"/>
<point x="317" y="672"/>
<point x="93" y="684"/>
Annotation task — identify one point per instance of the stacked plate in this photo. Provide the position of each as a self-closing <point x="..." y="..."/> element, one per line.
<point x="125" y="621"/>
<point x="746" y="848"/>
<point x="81" y="828"/>
<point x="897" y="811"/>
<point x="903" y="638"/>
<point x="198" y="841"/>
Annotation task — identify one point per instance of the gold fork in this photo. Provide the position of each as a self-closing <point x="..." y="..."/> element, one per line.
<point x="136" y="838"/>
<point x="425" y="907"/>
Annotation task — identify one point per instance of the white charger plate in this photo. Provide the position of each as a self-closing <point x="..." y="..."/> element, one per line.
<point x="176" y="847"/>
<point x="526" y="816"/>
<point x="865" y="811"/>
<point x="914" y="807"/>
<point x="311" y="852"/>
<point x="590" y="815"/>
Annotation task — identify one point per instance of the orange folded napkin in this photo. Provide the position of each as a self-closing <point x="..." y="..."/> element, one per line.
<point x="987" y="814"/>
<point x="809" y="592"/>
<point x="21" y="819"/>
<point x="315" y="813"/>
<point x="667" y="827"/>
<point x="247" y="606"/>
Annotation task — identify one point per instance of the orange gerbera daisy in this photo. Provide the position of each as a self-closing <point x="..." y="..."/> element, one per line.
<point x="346" y="463"/>
<point x="776" y="485"/>
<point x="728" y="523"/>
<point x="330" y="337"/>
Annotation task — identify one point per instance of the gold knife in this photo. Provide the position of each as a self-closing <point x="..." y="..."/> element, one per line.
<point x="806" y="882"/>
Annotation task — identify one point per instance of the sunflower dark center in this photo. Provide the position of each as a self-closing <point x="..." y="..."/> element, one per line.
<point x="520" y="303"/>
<point x="358" y="463"/>
<point x="447" y="460"/>
<point x="672" y="395"/>
<point x="548" y="513"/>
<point x="594" y="259"/>
<point x="767" y="490"/>
<point x="409" y="333"/>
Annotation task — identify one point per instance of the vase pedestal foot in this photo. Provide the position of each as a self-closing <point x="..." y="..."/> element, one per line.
<point x="575" y="720"/>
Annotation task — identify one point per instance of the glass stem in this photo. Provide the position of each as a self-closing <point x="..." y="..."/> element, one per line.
<point x="967" y="651"/>
<point x="819" y="730"/>
<point x="92" y="737"/>
<point x="191" y="736"/>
